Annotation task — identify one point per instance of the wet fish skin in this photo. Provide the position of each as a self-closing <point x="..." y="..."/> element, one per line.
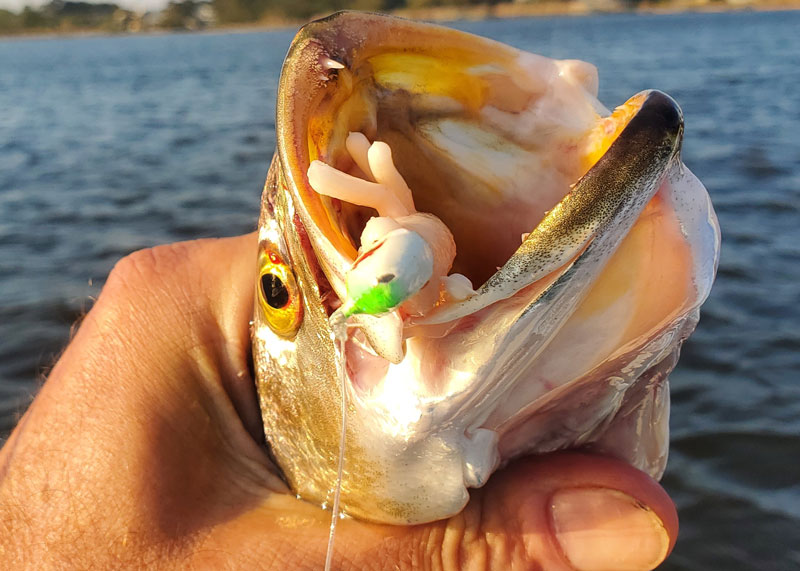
<point x="413" y="450"/>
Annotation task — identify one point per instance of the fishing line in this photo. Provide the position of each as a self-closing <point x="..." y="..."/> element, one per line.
<point x="339" y="329"/>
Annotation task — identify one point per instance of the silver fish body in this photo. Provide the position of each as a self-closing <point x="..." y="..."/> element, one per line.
<point x="571" y="334"/>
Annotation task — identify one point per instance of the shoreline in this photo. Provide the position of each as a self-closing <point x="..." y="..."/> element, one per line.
<point x="475" y="12"/>
<point x="548" y="8"/>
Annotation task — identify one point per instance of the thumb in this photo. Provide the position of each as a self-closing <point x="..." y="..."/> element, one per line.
<point x="564" y="511"/>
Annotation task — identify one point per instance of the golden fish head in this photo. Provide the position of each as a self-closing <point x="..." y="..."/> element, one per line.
<point x="591" y="245"/>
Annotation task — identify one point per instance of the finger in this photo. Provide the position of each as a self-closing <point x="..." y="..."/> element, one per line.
<point x="564" y="511"/>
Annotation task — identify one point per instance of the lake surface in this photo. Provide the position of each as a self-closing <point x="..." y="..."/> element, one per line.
<point x="108" y="145"/>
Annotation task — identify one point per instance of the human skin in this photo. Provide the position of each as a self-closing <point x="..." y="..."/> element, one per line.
<point x="144" y="449"/>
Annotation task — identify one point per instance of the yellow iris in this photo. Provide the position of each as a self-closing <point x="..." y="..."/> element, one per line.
<point x="278" y="295"/>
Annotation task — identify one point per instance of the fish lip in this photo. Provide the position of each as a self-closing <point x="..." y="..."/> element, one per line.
<point x="659" y="113"/>
<point x="670" y="113"/>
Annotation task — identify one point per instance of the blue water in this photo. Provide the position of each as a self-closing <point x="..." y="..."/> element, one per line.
<point x="108" y="145"/>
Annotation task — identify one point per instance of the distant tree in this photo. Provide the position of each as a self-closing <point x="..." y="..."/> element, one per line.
<point x="304" y="9"/>
<point x="80" y="15"/>
<point x="179" y="15"/>
<point x="32" y="18"/>
<point x="375" y="5"/>
<point x="9" y="22"/>
<point x="234" y="11"/>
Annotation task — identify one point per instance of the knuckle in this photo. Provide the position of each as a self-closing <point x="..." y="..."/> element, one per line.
<point x="144" y="295"/>
<point x="453" y="544"/>
<point x="143" y="280"/>
<point x="473" y="540"/>
<point x="147" y="268"/>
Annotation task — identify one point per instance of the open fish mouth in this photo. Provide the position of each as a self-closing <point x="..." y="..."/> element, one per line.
<point x="577" y="249"/>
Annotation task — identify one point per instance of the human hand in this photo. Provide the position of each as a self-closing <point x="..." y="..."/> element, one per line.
<point x="144" y="449"/>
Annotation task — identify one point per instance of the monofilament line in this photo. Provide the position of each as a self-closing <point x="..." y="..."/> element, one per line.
<point x="340" y="333"/>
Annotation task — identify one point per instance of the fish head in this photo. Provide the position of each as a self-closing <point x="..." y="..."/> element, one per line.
<point x="590" y="242"/>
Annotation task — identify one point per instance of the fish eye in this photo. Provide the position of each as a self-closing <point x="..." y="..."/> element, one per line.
<point x="278" y="296"/>
<point x="275" y="293"/>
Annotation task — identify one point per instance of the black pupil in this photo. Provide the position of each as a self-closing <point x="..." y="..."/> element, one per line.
<point x="275" y="292"/>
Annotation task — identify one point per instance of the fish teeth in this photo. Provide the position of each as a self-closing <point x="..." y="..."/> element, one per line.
<point x="328" y="63"/>
<point x="458" y="286"/>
